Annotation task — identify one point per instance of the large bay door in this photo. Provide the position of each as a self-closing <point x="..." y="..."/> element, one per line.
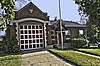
<point x="31" y="37"/>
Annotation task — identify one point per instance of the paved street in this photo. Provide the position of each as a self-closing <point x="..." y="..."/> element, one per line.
<point x="43" y="58"/>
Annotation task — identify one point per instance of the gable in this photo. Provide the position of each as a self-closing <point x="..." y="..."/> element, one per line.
<point x="31" y="11"/>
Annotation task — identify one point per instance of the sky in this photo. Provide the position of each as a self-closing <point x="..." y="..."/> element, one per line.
<point x="68" y="9"/>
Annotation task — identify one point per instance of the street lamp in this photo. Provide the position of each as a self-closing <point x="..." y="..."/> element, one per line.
<point x="60" y="24"/>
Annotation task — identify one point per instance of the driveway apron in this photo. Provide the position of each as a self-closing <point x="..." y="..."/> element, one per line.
<point x="43" y="58"/>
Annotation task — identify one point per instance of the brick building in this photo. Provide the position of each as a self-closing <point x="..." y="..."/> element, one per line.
<point x="34" y="30"/>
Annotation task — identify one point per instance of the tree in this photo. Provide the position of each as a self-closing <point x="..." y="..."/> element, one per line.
<point x="8" y="6"/>
<point x="90" y="9"/>
<point x="8" y="13"/>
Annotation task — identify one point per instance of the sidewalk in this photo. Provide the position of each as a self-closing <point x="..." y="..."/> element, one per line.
<point x="43" y="58"/>
<point x="87" y="54"/>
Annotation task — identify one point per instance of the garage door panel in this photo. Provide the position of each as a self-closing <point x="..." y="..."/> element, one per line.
<point x="31" y="37"/>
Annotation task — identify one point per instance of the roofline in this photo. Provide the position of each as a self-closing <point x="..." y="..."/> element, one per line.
<point x="28" y="5"/>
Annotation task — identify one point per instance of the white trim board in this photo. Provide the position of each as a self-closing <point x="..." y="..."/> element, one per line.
<point x="27" y="19"/>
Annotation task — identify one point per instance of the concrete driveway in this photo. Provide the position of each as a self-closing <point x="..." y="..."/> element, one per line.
<point x="42" y="58"/>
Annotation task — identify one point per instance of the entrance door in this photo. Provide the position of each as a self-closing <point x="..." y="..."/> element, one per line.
<point x="31" y="37"/>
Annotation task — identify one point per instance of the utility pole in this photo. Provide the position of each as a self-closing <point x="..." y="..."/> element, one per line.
<point x="60" y="24"/>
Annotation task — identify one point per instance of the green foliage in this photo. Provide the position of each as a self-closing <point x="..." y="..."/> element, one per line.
<point x="1" y="46"/>
<point x="78" y="58"/>
<point x="8" y="6"/>
<point x="9" y="57"/>
<point x="11" y="45"/>
<point x="90" y="9"/>
<point x="10" y="60"/>
<point x="79" y="42"/>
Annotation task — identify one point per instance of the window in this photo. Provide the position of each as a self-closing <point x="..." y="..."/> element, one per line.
<point x="30" y="46"/>
<point x="33" y="31"/>
<point x="29" y="27"/>
<point x="33" y="27"/>
<point x="41" y="45"/>
<point x="29" y="36"/>
<point x="34" y="46"/>
<point x="30" y="41"/>
<point x="22" y="41"/>
<point x="33" y="36"/>
<point x="26" y="32"/>
<point x="33" y="41"/>
<point x="40" y="36"/>
<point x="37" y="40"/>
<point x="22" y="32"/>
<point x="22" y="46"/>
<point x="37" y="36"/>
<point x="26" y="37"/>
<point x="40" y="31"/>
<point x="40" y="40"/>
<point x="37" y="31"/>
<point x="25" y="27"/>
<point x="29" y="31"/>
<point x="26" y="41"/>
<point x="22" y="37"/>
<point x="36" y="27"/>
<point x="67" y="32"/>
<point x="80" y="32"/>
<point x="26" y="46"/>
<point x="21" y="27"/>
<point x="40" y="27"/>
<point x="37" y="45"/>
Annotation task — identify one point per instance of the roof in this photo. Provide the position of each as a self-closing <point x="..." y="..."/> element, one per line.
<point x="72" y="24"/>
<point x="68" y="24"/>
<point x="31" y="11"/>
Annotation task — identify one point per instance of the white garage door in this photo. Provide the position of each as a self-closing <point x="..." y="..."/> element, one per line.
<point x="31" y="37"/>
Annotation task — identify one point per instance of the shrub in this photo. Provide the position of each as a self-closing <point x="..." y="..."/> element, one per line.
<point x="79" y="42"/>
<point x="13" y="47"/>
<point x="1" y="46"/>
<point x="10" y="45"/>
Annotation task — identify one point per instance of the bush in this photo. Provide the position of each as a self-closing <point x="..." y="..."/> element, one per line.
<point x="10" y="45"/>
<point x="79" y="42"/>
<point x="1" y="46"/>
<point x="13" y="47"/>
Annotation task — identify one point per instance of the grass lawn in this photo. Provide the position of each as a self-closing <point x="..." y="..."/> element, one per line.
<point x="79" y="59"/>
<point x="94" y="51"/>
<point x="10" y="60"/>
